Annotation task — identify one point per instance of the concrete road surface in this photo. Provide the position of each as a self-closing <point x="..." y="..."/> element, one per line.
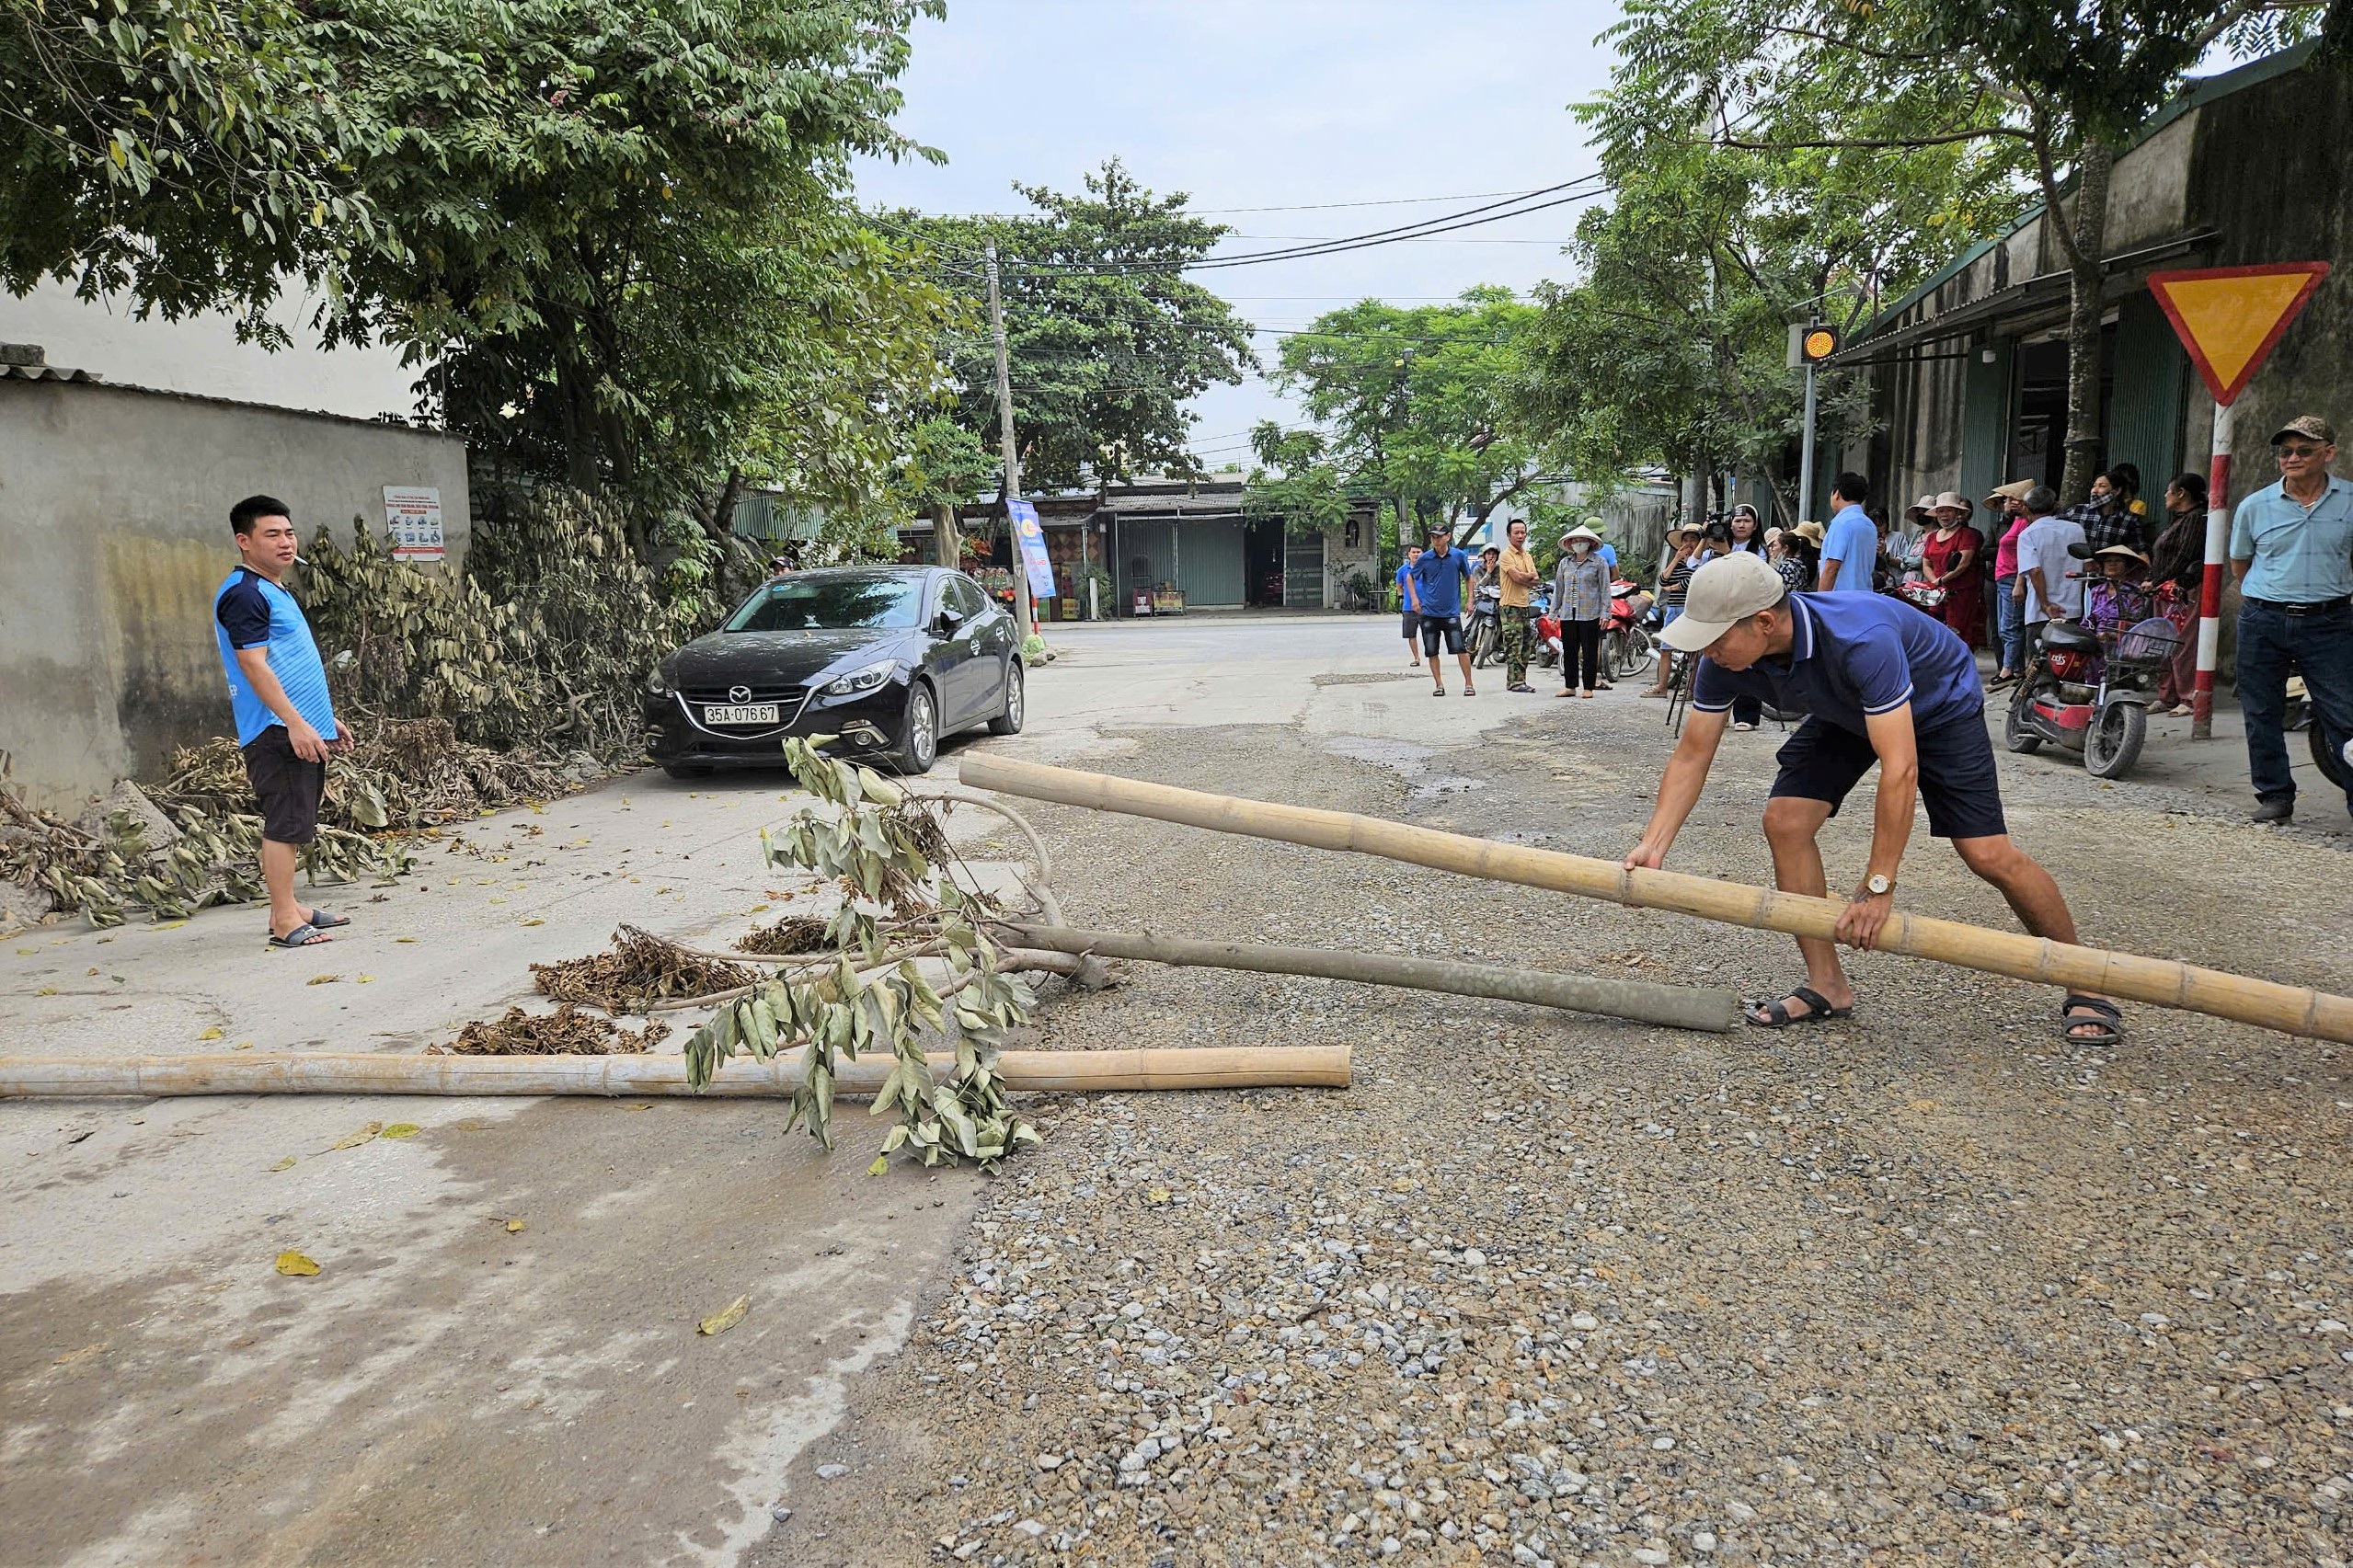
<point x="453" y="1388"/>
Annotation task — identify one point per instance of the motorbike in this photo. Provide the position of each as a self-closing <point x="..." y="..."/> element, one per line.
<point x="1484" y="637"/>
<point x="1545" y="655"/>
<point x="2091" y="693"/>
<point x="1627" y="646"/>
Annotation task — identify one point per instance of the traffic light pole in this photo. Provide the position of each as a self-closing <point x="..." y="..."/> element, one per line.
<point x="1806" y="453"/>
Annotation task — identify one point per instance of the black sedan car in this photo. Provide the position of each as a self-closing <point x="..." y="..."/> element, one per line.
<point x="890" y="658"/>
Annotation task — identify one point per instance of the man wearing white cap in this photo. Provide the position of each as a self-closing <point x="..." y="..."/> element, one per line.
<point x="1881" y="683"/>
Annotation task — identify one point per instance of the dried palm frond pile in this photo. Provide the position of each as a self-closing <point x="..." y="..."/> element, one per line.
<point x="565" y="1032"/>
<point x="637" y="970"/>
<point x="164" y="855"/>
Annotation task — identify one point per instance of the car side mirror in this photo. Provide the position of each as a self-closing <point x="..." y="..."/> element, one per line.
<point x="946" y="620"/>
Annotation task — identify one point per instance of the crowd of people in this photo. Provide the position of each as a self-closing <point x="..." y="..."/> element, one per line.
<point x="1993" y="585"/>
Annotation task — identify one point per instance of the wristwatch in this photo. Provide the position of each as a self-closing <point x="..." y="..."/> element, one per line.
<point x="1877" y="885"/>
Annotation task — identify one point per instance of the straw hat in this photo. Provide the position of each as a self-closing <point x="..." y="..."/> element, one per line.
<point x="1925" y="503"/>
<point x="1948" y="499"/>
<point x="2015" y="490"/>
<point x="1580" y="532"/>
<point x="2127" y="550"/>
<point x="1810" y="532"/>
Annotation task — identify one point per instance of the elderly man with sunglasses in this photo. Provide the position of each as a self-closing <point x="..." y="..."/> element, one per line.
<point x="2292" y="550"/>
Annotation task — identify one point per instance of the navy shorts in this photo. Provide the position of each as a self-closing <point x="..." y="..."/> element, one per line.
<point x="1957" y="784"/>
<point x="288" y="787"/>
<point x="1413" y="625"/>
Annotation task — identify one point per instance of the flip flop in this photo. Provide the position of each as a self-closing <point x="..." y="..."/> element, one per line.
<point x="1440" y="693"/>
<point x="303" y="935"/>
<point x="1777" y="1015"/>
<point x="1470" y="690"/>
<point x="2104" y="1012"/>
<point x="326" y="921"/>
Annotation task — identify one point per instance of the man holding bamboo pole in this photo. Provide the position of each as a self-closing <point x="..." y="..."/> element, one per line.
<point x="1881" y="683"/>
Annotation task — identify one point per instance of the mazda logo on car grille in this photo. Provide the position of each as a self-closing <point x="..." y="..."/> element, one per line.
<point x="739" y="694"/>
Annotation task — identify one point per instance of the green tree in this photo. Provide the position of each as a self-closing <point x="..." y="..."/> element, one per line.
<point x="189" y="154"/>
<point x="2055" y="91"/>
<point x="632" y="260"/>
<point x="1296" y="480"/>
<point x="1416" y="403"/>
<point x="1106" y="337"/>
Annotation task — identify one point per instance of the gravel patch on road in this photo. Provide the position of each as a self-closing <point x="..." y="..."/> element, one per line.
<point x="1929" y="1284"/>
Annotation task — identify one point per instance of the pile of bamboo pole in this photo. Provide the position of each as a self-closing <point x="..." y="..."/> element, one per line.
<point x="2163" y="982"/>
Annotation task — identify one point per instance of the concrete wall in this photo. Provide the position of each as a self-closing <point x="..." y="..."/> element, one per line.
<point x="114" y="521"/>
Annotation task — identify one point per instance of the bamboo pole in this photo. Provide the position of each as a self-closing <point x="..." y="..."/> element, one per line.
<point x="2163" y="982"/>
<point x="305" y="1072"/>
<point x="1682" y="1007"/>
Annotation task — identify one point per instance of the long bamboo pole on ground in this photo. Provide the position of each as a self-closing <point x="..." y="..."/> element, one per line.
<point x="2165" y="982"/>
<point x="301" y="1073"/>
<point x="1682" y="1007"/>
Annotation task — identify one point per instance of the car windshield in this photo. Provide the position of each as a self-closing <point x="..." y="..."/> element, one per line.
<point x="832" y="603"/>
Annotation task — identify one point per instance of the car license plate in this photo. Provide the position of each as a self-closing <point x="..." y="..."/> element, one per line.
<point x="741" y="713"/>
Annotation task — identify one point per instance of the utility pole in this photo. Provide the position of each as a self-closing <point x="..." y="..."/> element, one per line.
<point x="1806" y="453"/>
<point x="1021" y="613"/>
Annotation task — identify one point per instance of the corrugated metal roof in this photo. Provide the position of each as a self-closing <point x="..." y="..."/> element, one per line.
<point x="46" y="373"/>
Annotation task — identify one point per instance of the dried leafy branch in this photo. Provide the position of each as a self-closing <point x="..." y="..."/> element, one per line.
<point x="866" y="990"/>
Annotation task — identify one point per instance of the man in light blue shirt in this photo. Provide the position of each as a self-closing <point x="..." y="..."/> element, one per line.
<point x="1851" y="545"/>
<point x="286" y="722"/>
<point x="2291" y="549"/>
<point x="2050" y="584"/>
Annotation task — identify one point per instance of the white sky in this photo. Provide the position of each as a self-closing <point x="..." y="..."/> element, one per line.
<point x="1268" y="103"/>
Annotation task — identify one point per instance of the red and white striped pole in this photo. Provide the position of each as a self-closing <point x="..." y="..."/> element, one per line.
<point x="2210" y="599"/>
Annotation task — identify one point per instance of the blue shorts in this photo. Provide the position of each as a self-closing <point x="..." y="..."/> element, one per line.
<point x="1957" y="784"/>
<point x="1413" y="625"/>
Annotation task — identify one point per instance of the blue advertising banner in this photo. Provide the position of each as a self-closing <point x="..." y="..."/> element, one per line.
<point x="1033" y="548"/>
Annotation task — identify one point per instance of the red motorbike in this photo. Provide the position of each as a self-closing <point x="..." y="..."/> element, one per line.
<point x="1627" y="648"/>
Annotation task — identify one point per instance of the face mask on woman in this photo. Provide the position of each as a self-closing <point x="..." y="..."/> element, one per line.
<point x="1580" y="549"/>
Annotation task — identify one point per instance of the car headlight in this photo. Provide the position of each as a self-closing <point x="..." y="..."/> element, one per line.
<point x="861" y="679"/>
<point x="656" y="684"/>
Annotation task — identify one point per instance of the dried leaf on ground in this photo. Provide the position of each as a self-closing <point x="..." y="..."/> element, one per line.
<point x="726" y="1317"/>
<point x="638" y="968"/>
<point x="296" y="1263"/>
<point x="353" y="1139"/>
<point x="793" y="933"/>
<point x="568" y="1031"/>
<point x="401" y="1129"/>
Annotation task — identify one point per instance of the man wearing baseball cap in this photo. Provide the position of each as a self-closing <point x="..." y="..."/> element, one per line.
<point x="1434" y="593"/>
<point x="1880" y="683"/>
<point x="2291" y="549"/>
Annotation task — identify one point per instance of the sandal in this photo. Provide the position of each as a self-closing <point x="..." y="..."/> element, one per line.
<point x="2096" y="1010"/>
<point x="1744" y="727"/>
<point x="1524" y="688"/>
<point x="1440" y="693"/>
<point x="326" y="921"/>
<point x="1470" y="690"/>
<point x="1777" y="1015"/>
<point x="303" y="935"/>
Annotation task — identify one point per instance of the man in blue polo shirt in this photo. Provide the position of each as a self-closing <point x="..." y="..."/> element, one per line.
<point x="278" y="688"/>
<point x="2291" y="549"/>
<point x="1434" y="593"/>
<point x="1882" y="683"/>
<point x="1850" y="547"/>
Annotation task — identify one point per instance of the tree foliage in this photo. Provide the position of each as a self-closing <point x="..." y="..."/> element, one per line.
<point x="1106" y="337"/>
<point x="1414" y="404"/>
<point x="1750" y="192"/>
<point x="615" y="234"/>
<point x="189" y="154"/>
<point x="1898" y="132"/>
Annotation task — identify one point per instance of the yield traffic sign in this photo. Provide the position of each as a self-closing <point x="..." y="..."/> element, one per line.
<point x="2229" y="318"/>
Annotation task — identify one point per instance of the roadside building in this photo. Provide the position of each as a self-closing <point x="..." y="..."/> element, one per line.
<point x="1968" y="371"/>
<point x="1164" y="546"/>
<point x="122" y="446"/>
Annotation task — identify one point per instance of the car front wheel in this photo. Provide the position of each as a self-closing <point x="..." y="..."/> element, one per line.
<point x="919" y="736"/>
<point x="1016" y="700"/>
